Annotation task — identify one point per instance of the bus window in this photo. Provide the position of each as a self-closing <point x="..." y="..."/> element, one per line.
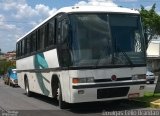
<point x="23" y="47"/>
<point x="59" y="33"/>
<point x="33" y="42"/>
<point x="17" y="51"/>
<point x="51" y="35"/>
<point x="62" y="40"/>
<point x="20" y="48"/>
<point x="41" y="37"/>
<point x="62" y="31"/>
<point x="28" y="45"/>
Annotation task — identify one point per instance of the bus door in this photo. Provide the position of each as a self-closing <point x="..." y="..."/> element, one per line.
<point x="62" y="40"/>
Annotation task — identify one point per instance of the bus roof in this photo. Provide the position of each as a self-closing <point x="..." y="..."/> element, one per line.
<point x="87" y="9"/>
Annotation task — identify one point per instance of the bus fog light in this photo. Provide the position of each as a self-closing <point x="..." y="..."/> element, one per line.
<point x="141" y="88"/>
<point x="133" y="95"/>
<point x="80" y="91"/>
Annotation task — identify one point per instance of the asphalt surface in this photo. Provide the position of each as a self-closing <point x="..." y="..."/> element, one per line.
<point x="14" y="101"/>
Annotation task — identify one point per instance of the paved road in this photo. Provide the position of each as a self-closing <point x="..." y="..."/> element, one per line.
<point x="14" y="100"/>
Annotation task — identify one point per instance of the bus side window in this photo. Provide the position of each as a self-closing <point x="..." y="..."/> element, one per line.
<point x="65" y="31"/>
<point x="17" y="54"/>
<point x="59" y="33"/>
<point x="28" y="45"/>
<point x="20" y="48"/>
<point x="46" y="35"/>
<point x="33" y="42"/>
<point x="51" y="35"/>
<point x="62" y="40"/>
<point x="30" y="39"/>
<point x="62" y="35"/>
<point x="40" y="39"/>
<point x="23" y="47"/>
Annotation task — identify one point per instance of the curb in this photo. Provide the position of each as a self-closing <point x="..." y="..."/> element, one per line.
<point x="155" y="104"/>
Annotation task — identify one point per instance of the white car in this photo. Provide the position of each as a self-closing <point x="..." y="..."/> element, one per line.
<point x="150" y="77"/>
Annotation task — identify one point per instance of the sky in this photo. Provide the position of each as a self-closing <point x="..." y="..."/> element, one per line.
<point x="17" y="17"/>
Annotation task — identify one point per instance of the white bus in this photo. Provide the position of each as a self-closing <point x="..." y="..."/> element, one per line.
<point x="84" y="54"/>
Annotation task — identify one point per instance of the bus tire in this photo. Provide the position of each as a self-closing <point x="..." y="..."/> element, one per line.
<point x="62" y="104"/>
<point x="54" y="86"/>
<point x="28" y="92"/>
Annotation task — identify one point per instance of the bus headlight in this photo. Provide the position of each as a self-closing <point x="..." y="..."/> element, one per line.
<point x="137" y="77"/>
<point x="83" y="80"/>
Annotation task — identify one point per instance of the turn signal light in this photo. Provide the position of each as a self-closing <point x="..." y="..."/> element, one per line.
<point x="75" y="80"/>
<point x="83" y="80"/>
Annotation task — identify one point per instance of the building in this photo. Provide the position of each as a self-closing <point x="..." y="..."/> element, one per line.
<point x="10" y="55"/>
<point x="153" y="56"/>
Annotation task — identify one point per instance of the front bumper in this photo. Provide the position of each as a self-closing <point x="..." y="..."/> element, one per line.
<point x="106" y="91"/>
<point x="108" y="84"/>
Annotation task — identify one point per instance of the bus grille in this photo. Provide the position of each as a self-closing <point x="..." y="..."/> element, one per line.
<point x="112" y="92"/>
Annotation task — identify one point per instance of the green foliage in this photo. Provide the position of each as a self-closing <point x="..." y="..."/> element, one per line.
<point x="4" y="65"/>
<point x="149" y="97"/>
<point x="151" y="21"/>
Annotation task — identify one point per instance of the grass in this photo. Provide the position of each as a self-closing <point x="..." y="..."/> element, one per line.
<point x="149" y="97"/>
<point x="151" y="94"/>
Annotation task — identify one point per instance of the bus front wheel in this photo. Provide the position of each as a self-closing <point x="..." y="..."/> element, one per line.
<point x="62" y="104"/>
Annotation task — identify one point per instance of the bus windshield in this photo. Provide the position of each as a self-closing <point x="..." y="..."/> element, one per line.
<point x="101" y="39"/>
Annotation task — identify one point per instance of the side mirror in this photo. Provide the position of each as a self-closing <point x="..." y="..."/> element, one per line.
<point x="146" y="36"/>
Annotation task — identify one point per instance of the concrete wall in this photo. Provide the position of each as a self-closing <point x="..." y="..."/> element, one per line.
<point x="153" y="49"/>
<point x="153" y="54"/>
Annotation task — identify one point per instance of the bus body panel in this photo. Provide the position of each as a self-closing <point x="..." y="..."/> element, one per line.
<point x="38" y="69"/>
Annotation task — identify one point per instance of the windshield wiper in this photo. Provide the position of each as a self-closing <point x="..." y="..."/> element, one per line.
<point x="125" y="55"/>
<point x="103" y="54"/>
<point x="120" y="50"/>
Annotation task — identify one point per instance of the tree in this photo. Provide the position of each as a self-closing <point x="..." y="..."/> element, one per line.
<point x="4" y="65"/>
<point x="151" y="22"/>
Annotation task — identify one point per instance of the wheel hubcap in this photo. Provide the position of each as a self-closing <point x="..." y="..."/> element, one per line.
<point x="58" y="94"/>
<point x="27" y="88"/>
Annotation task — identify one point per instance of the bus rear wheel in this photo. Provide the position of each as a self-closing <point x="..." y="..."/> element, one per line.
<point x="28" y="92"/>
